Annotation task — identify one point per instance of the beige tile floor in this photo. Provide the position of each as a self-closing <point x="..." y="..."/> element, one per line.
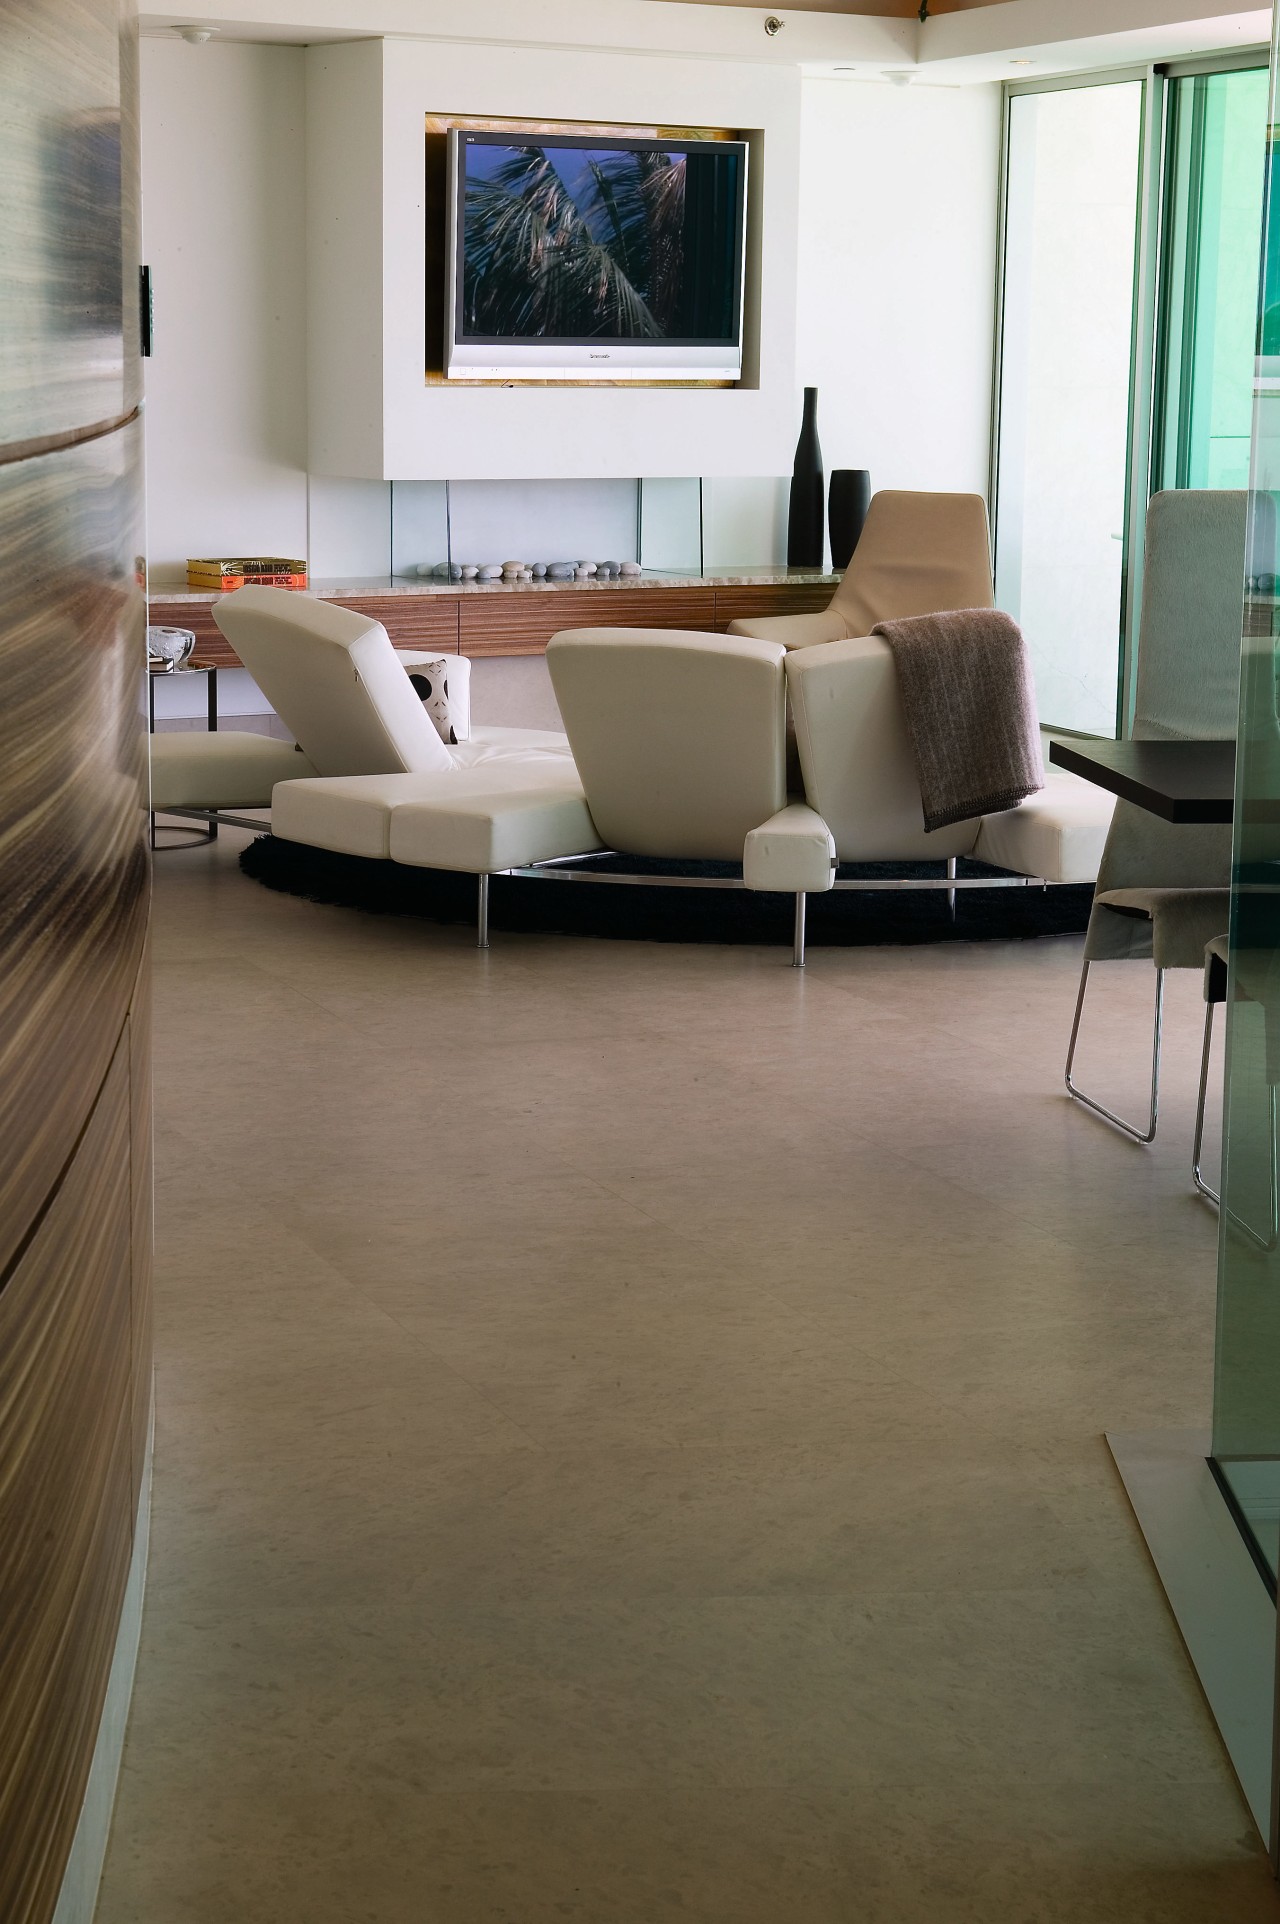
<point x="629" y="1439"/>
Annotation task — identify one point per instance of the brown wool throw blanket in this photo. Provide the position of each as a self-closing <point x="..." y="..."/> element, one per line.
<point x="970" y="706"/>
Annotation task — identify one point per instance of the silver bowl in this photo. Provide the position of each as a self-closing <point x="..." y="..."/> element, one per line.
<point x="172" y="646"/>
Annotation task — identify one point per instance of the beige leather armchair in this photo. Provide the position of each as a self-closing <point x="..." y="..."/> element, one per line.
<point x="920" y="554"/>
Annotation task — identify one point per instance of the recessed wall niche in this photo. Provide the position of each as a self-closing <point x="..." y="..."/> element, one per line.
<point x="436" y="225"/>
<point x="372" y="415"/>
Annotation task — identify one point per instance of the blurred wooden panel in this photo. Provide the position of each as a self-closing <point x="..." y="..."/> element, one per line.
<point x="73" y="855"/>
<point x="523" y="624"/>
<point x="66" y="1503"/>
<point x="130" y="209"/>
<point x="69" y="253"/>
<point x="141" y="1231"/>
<point x="778" y="598"/>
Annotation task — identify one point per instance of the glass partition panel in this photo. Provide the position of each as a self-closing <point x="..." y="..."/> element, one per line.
<point x="671" y="525"/>
<point x="1246" y="1424"/>
<point x="1209" y="280"/>
<point x="1065" y="379"/>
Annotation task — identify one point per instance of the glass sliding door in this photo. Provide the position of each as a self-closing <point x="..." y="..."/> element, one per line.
<point x="1209" y="279"/>
<point x="1246" y="1415"/>
<point x="1066" y="355"/>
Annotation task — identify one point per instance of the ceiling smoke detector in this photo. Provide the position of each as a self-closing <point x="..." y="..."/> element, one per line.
<point x="899" y="77"/>
<point x="194" y="36"/>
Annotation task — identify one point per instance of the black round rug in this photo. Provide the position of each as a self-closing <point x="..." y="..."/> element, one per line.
<point x="849" y="918"/>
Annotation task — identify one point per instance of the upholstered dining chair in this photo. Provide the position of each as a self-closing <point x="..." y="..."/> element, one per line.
<point x="1162" y="891"/>
<point x="918" y="554"/>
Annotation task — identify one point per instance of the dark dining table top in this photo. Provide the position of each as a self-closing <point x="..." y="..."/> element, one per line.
<point x="1177" y="780"/>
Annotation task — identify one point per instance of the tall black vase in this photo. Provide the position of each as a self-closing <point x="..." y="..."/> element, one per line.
<point x="848" y="499"/>
<point x="805" y="518"/>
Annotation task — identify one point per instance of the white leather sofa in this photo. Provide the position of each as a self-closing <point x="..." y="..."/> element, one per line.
<point x="676" y="746"/>
<point x="678" y="739"/>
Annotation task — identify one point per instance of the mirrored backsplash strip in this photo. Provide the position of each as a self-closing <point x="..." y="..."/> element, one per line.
<point x="674" y="526"/>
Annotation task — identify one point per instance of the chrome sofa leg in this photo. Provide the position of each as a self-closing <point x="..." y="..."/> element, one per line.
<point x="482" y="913"/>
<point x="797" y="950"/>
<point x="1108" y="1115"/>
<point x="951" y="894"/>
<point x="1211" y="1195"/>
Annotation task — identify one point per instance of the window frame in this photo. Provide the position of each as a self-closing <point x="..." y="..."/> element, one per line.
<point x="1151" y="214"/>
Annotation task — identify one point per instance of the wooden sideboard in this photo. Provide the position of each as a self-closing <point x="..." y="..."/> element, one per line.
<point x="512" y="620"/>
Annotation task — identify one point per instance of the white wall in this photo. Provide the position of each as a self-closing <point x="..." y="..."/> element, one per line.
<point x="896" y="292"/>
<point x="893" y="292"/>
<point x="224" y="211"/>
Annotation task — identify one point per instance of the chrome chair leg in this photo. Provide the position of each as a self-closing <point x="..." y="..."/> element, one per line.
<point x="482" y="913"/>
<point x="1108" y="1115"/>
<point x="797" y="949"/>
<point x="1211" y="1195"/>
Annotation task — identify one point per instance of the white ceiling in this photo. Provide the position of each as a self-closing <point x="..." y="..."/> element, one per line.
<point x="1012" y="39"/>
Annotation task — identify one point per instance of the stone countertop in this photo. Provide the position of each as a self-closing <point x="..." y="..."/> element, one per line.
<point x="358" y="585"/>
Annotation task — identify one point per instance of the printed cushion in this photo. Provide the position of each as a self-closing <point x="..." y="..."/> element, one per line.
<point x="430" y="680"/>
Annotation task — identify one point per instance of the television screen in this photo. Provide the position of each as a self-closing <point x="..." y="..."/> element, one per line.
<point x="633" y="248"/>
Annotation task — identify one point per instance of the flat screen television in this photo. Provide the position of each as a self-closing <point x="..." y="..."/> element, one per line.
<point x="594" y="257"/>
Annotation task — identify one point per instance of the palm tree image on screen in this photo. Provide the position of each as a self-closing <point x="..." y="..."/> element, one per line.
<point x="594" y="245"/>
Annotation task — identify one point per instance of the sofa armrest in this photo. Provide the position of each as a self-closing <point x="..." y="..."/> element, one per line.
<point x="794" y="631"/>
<point x="790" y="854"/>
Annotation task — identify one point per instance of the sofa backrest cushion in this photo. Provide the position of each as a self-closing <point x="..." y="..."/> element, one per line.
<point x="918" y="554"/>
<point x="680" y="739"/>
<point x="855" y="754"/>
<point x="335" y="681"/>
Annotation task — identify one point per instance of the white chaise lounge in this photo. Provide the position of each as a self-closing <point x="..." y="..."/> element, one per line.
<point x="306" y="656"/>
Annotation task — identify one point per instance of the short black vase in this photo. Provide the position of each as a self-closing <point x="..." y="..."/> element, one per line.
<point x="848" y="499"/>
<point x="805" y="518"/>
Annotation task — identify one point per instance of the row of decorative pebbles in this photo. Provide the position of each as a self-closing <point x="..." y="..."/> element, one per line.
<point x="527" y="570"/>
